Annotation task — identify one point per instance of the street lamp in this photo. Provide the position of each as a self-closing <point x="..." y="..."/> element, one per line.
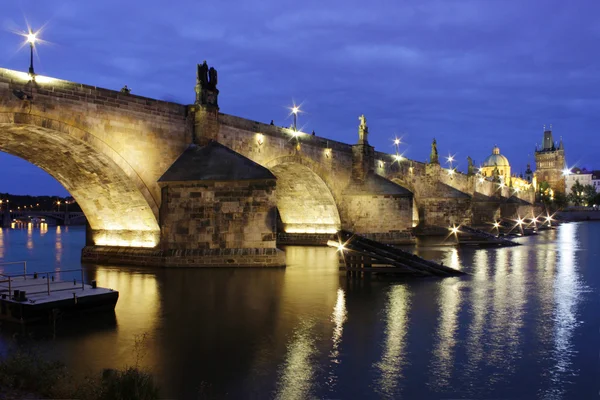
<point x="295" y="111"/>
<point x="398" y="157"/>
<point x="31" y="39"/>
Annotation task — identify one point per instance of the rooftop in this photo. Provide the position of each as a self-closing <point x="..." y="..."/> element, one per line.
<point x="214" y="162"/>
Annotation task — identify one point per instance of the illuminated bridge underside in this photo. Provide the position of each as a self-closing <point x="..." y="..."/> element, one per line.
<point x="304" y="201"/>
<point x="116" y="209"/>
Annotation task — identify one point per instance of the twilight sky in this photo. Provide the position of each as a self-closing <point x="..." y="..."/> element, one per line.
<point x="469" y="73"/>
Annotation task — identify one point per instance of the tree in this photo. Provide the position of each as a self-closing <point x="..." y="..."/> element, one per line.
<point x="589" y="195"/>
<point x="576" y="195"/>
<point x="560" y="200"/>
<point x="544" y="192"/>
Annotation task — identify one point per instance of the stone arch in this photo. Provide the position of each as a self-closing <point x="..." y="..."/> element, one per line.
<point x="120" y="208"/>
<point x="417" y="213"/>
<point x="305" y="202"/>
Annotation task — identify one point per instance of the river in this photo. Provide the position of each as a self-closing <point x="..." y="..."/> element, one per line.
<point x="524" y="324"/>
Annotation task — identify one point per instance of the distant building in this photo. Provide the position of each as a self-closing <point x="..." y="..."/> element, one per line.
<point x="596" y="180"/>
<point x="496" y="165"/>
<point x="583" y="176"/>
<point x="550" y="163"/>
<point x="529" y="174"/>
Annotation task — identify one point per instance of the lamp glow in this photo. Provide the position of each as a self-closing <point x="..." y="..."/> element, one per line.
<point x="566" y="171"/>
<point x="396" y="141"/>
<point x="496" y="225"/>
<point x="31" y="37"/>
<point x="339" y="246"/>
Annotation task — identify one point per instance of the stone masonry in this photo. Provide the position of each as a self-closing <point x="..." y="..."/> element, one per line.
<point x="109" y="149"/>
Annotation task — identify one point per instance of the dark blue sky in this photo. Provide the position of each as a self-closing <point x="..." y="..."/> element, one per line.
<point x="470" y="73"/>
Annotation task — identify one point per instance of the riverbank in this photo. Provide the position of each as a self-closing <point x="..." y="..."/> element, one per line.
<point x="26" y="374"/>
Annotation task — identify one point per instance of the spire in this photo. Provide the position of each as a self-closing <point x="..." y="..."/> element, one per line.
<point x="561" y="146"/>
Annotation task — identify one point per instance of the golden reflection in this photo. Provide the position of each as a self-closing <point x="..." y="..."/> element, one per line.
<point x="394" y="357"/>
<point x="443" y="353"/>
<point x="29" y="235"/>
<point x="137" y="313"/>
<point x="43" y="228"/>
<point x="301" y="291"/>
<point x="138" y="297"/>
<point x="296" y="379"/>
<point x="58" y="245"/>
<point x="338" y="318"/>
<point x="454" y="259"/>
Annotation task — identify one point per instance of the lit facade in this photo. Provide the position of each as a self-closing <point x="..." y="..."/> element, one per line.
<point x="583" y="176"/>
<point x="550" y="163"/>
<point x="496" y="165"/>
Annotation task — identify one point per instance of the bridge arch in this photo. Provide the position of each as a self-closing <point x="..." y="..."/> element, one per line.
<point x="305" y="201"/>
<point x="118" y="205"/>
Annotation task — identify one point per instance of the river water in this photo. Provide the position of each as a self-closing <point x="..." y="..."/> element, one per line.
<point x="524" y="325"/>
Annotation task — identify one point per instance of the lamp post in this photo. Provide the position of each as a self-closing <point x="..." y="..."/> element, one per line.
<point x="295" y="111"/>
<point x="31" y="39"/>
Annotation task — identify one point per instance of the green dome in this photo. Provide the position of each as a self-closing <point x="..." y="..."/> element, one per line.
<point x="496" y="159"/>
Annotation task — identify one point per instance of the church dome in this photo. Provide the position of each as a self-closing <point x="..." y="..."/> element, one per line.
<point x="496" y="159"/>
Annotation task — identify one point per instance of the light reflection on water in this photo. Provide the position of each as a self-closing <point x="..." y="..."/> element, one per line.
<point x="517" y="327"/>
<point x="338" y="317"/>
<point x="394" y="357"/>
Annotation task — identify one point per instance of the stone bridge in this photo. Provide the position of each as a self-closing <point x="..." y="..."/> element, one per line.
<point x="160" y="175"/>
<point x="66" y="218"/>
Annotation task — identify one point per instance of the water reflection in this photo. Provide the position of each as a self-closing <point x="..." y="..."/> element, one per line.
<point x="29" y="235"/>
<point x="338" y="317"/>
<point x="567" y="291"/>
<point x="394" y="356"/>
<point x="479" y="312"/>
<point x="446" y="335"/>
<point x="296" y="379"/>
<point x="2" y="243"/>
<point x="511" y="329"/>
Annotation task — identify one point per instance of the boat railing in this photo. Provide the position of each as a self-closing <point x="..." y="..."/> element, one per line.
<point x="11" y="282"/>
<point x="2" y="264"/>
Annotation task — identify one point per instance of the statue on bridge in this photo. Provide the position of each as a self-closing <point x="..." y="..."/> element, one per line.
<point x="433" y="157"/>
<point x="363" y="130"/>
<point x="206" y="85"/>
<point x="471" y="168"/>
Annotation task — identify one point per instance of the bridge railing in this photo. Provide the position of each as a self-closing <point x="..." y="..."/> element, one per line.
<point x="11" y="282"/>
